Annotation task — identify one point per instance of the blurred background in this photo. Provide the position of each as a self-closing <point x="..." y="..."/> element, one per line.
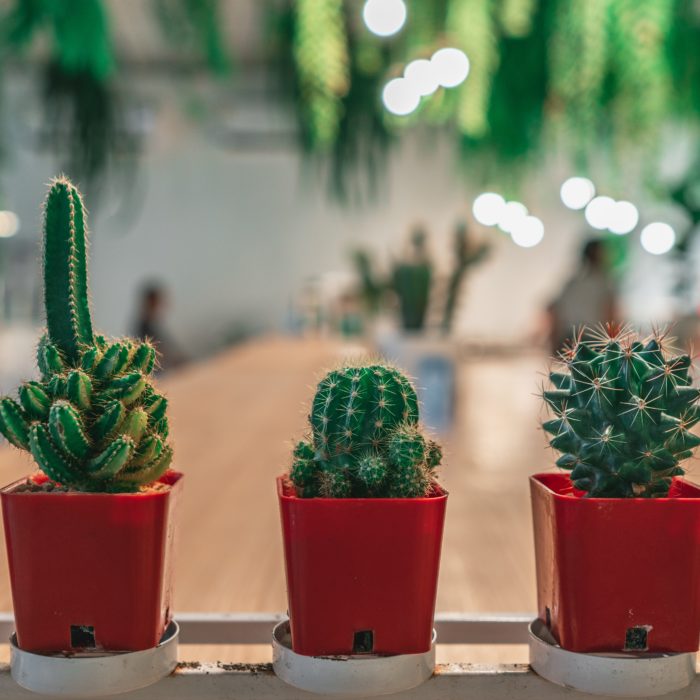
<point x="275" y="185"/>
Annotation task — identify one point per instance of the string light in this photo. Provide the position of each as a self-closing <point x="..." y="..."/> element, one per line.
<point x="658" y="238"/>
<point x="624" y="218"/>
<point x="400" y="97"/>
<point x="512" y="213"/>
<point x="451" y="66"/>
<point x="598" y="212"/>
<point x="422" y="75"/>
<point x="488" y="208"/>
<point x="527" y="232"/>
<point x="384" y="17"/>
<point x="9" y="224"/>
<point x="577" y="192"/>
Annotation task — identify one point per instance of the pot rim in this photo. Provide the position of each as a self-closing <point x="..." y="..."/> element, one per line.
<point x="537" y="479"/>
<point x="172" y="479"/>
<point x="439" y="494"/>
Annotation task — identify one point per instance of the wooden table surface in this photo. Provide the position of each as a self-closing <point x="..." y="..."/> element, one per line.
<point x="234" y="418"/>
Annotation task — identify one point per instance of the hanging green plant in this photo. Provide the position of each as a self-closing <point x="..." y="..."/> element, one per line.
<point x="516" y="17"/>
<point x="80" y="102"/>
<point x="639" y="59"/>
<point x="321" y="54"/>
<point x="579" y="56"/>
<point x="195" y="25"/>
<point x="471" y="27"/>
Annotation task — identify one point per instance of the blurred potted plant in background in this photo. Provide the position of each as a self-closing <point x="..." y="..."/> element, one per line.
<point x="617" y="539"/>
<point x="90" y="540"/>
<point x="427" y="303"/>
<point x="362" y="519"/>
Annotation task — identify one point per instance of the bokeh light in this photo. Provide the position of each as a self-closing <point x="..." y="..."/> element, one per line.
<point x="658" y="238"/>
<point x="384" y="17"/>
<point x="623" y="218"/>
<point x="599" y="212"/>
<point x="527" y="232"/>
<point x="511" y="214"/>
<point x="400" y="97"/>
<point x="488" y="208"/>
<point x="422" y="76"/>
<point x="451" y="66"/>
<point x="577" y="192"/>
<point x="9" y="224"/>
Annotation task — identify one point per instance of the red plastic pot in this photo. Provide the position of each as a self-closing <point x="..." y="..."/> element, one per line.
<point x="91" y="570"/>
<point x="361" y="572"/>
<point x="618" y="574"/>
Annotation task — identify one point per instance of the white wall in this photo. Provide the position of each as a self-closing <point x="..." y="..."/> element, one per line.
<point x="234" y="234"/>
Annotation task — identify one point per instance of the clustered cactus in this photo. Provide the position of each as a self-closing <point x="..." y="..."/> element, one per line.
<point x="623" y="411"/>
<point x="366" y="441"/>
<point x="93" y="422"/>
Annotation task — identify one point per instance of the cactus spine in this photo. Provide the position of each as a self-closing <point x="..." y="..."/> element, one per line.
<point x="623" y="409"/>
<point x="93" y="422"/>
<point x="365" y="438"/>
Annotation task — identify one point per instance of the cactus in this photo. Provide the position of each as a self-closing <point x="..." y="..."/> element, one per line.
<point x="365" y="438"/>
<point x="411" y="280"/>
<point x="93" y="422"/>
<point x="622" y="413"/>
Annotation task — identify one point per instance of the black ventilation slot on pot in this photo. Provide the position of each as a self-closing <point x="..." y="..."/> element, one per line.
<point x="636" y="638"/>
<point x="363" y="642"/>
<point x="82" y="637"/>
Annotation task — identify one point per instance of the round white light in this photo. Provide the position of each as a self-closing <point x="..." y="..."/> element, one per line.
<point x="9" y="224"/>
<point x="623" y="218"/>
<point x="400" y="97"/>
<point x="421" y="74"/>
<point x="488" y="208"/>
<point x="658" y="238"/>
<point x="451" y="66"/>
<point x="511" y="214"/>
<point x="527" y="232"/>
<point x="599" y="212"/>
<point x="384" y="17"/>
<point x="576" y="192"/>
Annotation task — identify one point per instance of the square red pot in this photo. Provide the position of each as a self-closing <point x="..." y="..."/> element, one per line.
<point x="618" y="574"/>
<point x="361" y="572"/>
<point x="91" y="570"/>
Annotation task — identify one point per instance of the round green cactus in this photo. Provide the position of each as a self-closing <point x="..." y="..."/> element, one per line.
<point x="365" y="438"/>
<point x="623" y="409"/>
<point x="93" y="422"/>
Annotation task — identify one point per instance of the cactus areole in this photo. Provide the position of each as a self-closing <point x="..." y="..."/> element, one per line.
<point x="617" y="538"/>
<point x="362" y="519"/>
<point x="89" y="541"/>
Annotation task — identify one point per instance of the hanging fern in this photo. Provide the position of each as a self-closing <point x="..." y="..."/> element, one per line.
<point x="195" y="24"/>
<point x="471" y="27"/>
<point x="80" y="102"/>
<point x="322" y="62"/>
<point x="516" y="16"/>
<point x="579" y="59"/>
<point x="639" y="40"/>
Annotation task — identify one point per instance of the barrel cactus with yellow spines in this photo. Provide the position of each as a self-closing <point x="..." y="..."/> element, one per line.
<point x="623" y="409"/>
<point x="93" y="422"/>
<point x="365" y="438"/>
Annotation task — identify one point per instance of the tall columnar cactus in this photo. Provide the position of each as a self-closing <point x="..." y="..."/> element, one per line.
<point x="365" y="438"/>
<point x="623" y="410"/>
<point x="93" y="422"/>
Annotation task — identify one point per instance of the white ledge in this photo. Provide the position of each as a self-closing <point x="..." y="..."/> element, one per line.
<point x="257" y="681"/>
<point x="207" y="681"/>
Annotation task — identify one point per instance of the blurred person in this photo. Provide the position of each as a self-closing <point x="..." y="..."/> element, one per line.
<point x="150" y="325"/>
<point x="587" y="299"/>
